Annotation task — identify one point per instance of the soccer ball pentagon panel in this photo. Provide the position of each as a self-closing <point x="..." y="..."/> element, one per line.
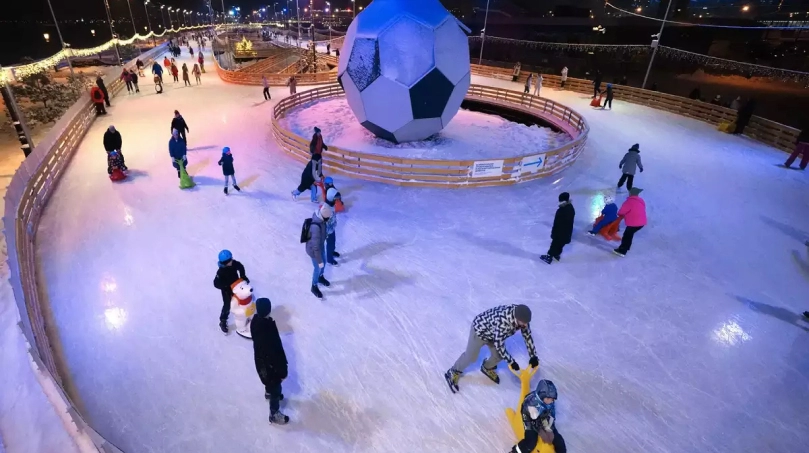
<point x="404" y="67"/>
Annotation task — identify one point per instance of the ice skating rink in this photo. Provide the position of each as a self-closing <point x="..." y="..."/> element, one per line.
<point x="692" y="343"/>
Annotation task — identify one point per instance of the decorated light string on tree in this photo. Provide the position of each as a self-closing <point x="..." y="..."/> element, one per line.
<point x="564" y="46"/>
<point x="748" y="69"/>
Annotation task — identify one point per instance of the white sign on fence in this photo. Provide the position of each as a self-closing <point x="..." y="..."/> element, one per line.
<point x="487" y="168"/>
<point x="533" y="164"/>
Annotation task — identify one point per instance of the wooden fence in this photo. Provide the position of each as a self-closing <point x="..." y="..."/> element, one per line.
<point x="760" y="129"/>
<point x="26" y="197"/>
<point x="444" y="173"/>
<point x="254" y="78"/>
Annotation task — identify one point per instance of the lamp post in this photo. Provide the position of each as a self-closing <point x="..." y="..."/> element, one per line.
<point x="354" y="8"/>
<point x="112" y="31"/>
<point x="162" y="15"/>
<point x="131" y="17"/>
<point x="298" y="38"/>
<point x="149" y="22"/>
<point x="655" y="45"/>
<point x="59" y="32"/>
<point x="483" y="32"/>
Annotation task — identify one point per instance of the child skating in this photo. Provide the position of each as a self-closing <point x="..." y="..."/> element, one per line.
<point x="608" y="215"/>
<point x="226" y="162"/>
<point x="628" y="165"/>
<point x="539" y="419"/>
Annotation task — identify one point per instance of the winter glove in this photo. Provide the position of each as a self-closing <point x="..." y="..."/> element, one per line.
<point x="534" y="362"/>
<point x="546" y="436"/>
<point x="515" y="366"/>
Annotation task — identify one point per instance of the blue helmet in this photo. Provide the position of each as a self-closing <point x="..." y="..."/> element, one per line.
<point x="225" y="256"/>
<point x="328" y="180"/>
<point x="546" y="389"/>
<point x="225" y="150"/>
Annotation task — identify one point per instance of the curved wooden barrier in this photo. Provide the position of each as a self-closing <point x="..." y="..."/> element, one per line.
<point x="26" y="197"/>
<point x="444" y="173"/>
<point x="760" y="129"/>
<point x="254" y="78"/>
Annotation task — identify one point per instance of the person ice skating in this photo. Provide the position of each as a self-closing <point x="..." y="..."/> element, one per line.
<point x="175" y="72"/>
<point x="113" y="142"/>
<point x="316" y="145"/>
<point x="564" y="77"/>
<point x="127" y="79"/>
<point x="139" y="65"/>
<point x="332" y="197"/>
<point x="292" y="83"/>
<point x="311" y="173"/>
<point x="266" y="84"/>
<point x="744" y="115"/>
<point x="562" y="230"/>
<point x="97" y="97"/>
<point x="597" y="84"/>
<point x="133" y="76"/>
<point x="226" y="162"/>
<point x="328" y="48"/>
<point x="186" y="79"/>
<point x="633" y="212"/>
<point x="178" y="123"/>
<point x="802" y="148"/>
<point x="315" y="247"/>
<point x="717" y="100"/>
<point x="157" y="71"/>
<point x="201" y="61"/>
<point x="269" y="357"/>
<point x="491" y="329"/>
<point x="167" y="63"/>
<point x="608" y="99"/>
<point x="736" y="104"/>
<point x="191" y="51"/>
<point x="608" y="215"/>
<point x="196" y="73"/>
<point x="177" y="150"/>
<point x="103" y="88"/>
<point x="527" y="89"/>
<point x="539" y="419"/>
<point x="537" y="84"/>
<point x="515" y="74"/>
<point x="629" y="164"/>
<point x="228" y="272"/>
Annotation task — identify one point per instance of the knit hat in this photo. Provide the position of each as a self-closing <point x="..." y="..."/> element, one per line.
<point x="608" y="199"/>
<point x="522" y="313"/>
<point x="226" y="150"/>
<point x="635" y="147"/>
<point x="326" y="212"/>
<point x="564" y="196"/>
<point x="263" y="307"/>
<point x="331" y="193"/>
<point x="317" y="130"/>
<point x="635" y="191"/>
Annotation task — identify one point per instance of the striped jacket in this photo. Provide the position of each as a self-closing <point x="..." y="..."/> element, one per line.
<point x="496" y="324"/>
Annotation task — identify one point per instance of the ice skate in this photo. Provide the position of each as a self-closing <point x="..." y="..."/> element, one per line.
<point x="490" y="373"/>
<point x="237" y="188"/>
<point x="278" y="419"/>
<point x="295" y="196"/>
<point x="333" y="263"/>
<point x="558" y="258"/>
<point x="337" y="255"/>
<point x="590" y="233"/>
<point x="619" y="253"/>
<point x="226" y="190"/>
<point x="452" y="376"/>
<point x="267" y="396"/>
<point x="224" y="327"/>
<point x="546" y="258"/>
<point x="322" y="280"/>
<point x="316" y="292"/>
<point x="806" y="314"/>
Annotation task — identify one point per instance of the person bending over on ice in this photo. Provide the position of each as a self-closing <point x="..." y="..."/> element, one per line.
<point x="311" y="173"/>
<point x="270" y="358"/>
<point x="491" y="328"/>
<point x="539" y="419"/>
<point x="229" y="271"/>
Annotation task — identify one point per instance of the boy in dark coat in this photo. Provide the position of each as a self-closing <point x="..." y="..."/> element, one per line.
<point x="608" y="99"/>
<point x="226" y="162"/>
<point x="177" y="151"/>
<point x="316" y="146"/>
<point x="112" y="140"/>
<point x="312" y="173"/>
<point x="562" y="230"/>
<point x="229" y="271"/>
<point x="178" y="122"/>
<point x="539" y="419"/>
<point x="271" y="361"/>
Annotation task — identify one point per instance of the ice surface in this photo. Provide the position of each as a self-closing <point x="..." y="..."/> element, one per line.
<point x="692" y="343"/>
<point x="451" y="51"/>
<point x="471" y="135"/>
<point x="405" y="51"/>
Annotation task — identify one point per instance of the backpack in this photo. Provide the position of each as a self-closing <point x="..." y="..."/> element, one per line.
<point x="307" y="224"/>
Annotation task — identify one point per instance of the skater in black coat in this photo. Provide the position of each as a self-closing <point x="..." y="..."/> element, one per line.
<point x="562" y="230"/>
<point x="112" y="142"/>
<point x="271" y="361"/>
<point x="229" y="272"/>
<point x="311" y="173"/>
<point x="178" y="122"/>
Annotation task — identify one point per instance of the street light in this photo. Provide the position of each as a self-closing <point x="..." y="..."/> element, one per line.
<point x="59" y="32"/>
<point x="148" y="22"/>
<point x="483" y="32"/>
<point x="112" y="31"/>
<point x="354" y="8"/>
<point x="745" y="8"/>
<point x="134" y="29"/>
<point x="655" y="41"/>
<point x="162" y="15"/>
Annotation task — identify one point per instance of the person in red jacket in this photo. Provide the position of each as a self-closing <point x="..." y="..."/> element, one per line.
<point x="316" y="146"/>
<point x="98" y="100"/>
<point x="633" y="211"/>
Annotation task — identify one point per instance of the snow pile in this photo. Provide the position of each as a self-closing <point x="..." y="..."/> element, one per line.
<point x="470" y="135"/>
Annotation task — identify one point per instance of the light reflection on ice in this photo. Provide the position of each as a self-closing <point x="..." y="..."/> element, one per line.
<point x="128" y="218"/>
<point x="114" y="317"/>
<point x="730" y="333"/>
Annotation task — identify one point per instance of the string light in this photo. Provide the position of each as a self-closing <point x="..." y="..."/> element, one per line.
<point x="566" y="46"/>
<point x="13" y="73"/>
<point x="691" y="24"/>
<point x="748" y="69"/>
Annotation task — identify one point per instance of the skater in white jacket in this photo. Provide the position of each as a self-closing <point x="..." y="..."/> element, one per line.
<point x="564" y="77"/>
<point x="537" y="84"/>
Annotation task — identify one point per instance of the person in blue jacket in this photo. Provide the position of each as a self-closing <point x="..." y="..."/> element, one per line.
<point x="539" y="419"/>
<point x="177" y="151"/>
<point x="158" y="71"/>
<point x="226" y="162"/>
<point x="609" y="214"/>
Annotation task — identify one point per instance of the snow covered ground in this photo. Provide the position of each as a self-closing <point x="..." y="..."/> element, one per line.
<point x="693" y="342"/>
<point x="470" y="135"/>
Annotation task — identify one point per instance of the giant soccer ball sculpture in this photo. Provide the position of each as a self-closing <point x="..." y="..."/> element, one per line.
<point x="404" y="67"/>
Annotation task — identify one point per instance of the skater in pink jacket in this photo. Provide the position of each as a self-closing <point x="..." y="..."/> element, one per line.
<point x="633" y="211"/>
